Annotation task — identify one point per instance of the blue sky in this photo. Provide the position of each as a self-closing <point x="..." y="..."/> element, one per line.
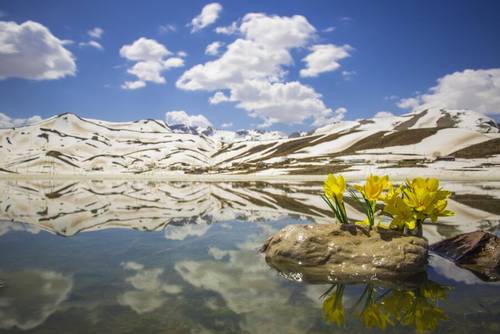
<point x="396" y="50"/>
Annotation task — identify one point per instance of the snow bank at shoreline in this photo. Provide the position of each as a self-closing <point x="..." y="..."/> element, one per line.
<point x="394" y="173"/>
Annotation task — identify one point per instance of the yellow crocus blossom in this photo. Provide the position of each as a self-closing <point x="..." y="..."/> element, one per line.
<point x="421" y="194"/>
<point x="439" y="210"/>
<point x="334" y="187"/>
<point x="402" y="214"/>
<point x="426" y="198"/>
<point x="374" y="186"/>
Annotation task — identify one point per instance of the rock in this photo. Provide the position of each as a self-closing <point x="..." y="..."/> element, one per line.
<point x="477" y="251"/>
<point x="333" y="252"/>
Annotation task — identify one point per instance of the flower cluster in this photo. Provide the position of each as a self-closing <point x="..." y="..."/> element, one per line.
<point x="411" y="204"/>
<point x="408" y="204"/>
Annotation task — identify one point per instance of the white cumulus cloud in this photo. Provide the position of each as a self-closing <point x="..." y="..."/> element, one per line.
<point x="477" y="90"/>
<point x="213" y="48"/>
<point x="324" y="58"/>
<point x="173" y="62"/>
<point x="30" y="51"/>
<point x="93" y="44"/>
<point x="217" y="98"/>
<point x="209" y="14"/>
<point x="290" y="102"/>
<point x="9" y="122"/>
<point x="227" y="30"/>
<point x="253" y="69"/>
<point x="181" y="117"/>
<point x="277" y="32"/>
<point x="95" y="32"/>
<point x="151" y="60"/>
<point x="144" y="49"/>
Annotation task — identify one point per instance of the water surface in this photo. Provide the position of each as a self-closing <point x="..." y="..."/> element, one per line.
<point x="124" y="257"/>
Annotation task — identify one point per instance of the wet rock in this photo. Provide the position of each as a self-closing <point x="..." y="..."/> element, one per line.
<point x="477" y="251"/>
<point x="332" y="252"/>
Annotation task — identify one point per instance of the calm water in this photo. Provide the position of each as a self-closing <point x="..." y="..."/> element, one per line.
<point x="127" y="257"/>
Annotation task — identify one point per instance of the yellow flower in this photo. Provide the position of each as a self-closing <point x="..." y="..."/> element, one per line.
<point x="402" y="214"/>
<point x="408" y="219"/>
<point x="392" y="193"/>
<point x="418" y="198"/>
<point x="428" y="184"/>
<point x="439" y="210"/>
<point x="334" y="187"/>
<point x="421" y="194"/>
<point x="373" y="187"/>
<point x="426" y="198"/>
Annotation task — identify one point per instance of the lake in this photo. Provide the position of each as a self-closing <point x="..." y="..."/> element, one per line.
<point x="173" y="257"/>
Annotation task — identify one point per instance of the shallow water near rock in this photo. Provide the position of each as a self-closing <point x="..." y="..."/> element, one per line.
<point x="127" y="257"/>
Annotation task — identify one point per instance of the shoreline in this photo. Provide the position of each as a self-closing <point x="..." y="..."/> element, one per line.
<point x="350" y="176"/>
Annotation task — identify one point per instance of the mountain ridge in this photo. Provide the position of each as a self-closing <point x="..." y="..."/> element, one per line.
<point x="69" y="144"/>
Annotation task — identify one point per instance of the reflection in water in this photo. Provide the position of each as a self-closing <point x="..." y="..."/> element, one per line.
<point x="379" y="307"/>
<point x="150" y="291"/>
<point x="201" y="272"/>
<point x="69" y="207"/>
<point x="248" y="288"/>
<point x="448" y="269"/>
<point x="180" y="232"/>
<point x="28" y="298"/>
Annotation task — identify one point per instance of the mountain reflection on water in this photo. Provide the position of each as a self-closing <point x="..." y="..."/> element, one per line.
<point x="69" y="207"/>
<point x="199" y="270"/>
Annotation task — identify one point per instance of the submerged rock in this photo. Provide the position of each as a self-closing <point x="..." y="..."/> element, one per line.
<point x="333" y="252"/>
<point x="477" y="251"/>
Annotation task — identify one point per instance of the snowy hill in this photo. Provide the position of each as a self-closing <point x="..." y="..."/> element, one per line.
<point x="68" y="144"/>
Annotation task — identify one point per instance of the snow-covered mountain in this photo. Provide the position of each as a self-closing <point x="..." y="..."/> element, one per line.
<point x="68" y="144"/>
